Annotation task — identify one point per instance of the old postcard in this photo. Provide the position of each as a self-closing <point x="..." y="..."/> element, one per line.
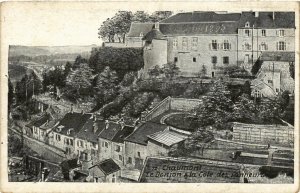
<point x="132" y="96"/>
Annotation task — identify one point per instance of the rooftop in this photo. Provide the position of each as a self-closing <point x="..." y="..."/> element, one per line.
<point x="72" y="122"/>
<point x="140" y="134"/>
<point x="91" y="130"/>
<point x="110" y="131"/>
<point x="138" y="29"/>
<point x="107" y="166"/>
<point x="167" y="137"/>
<point x="39" y="121"/>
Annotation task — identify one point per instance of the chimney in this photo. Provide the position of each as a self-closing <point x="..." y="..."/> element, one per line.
<point x="82" y="112"/>
<point x="156" y="25"/>
<point x="256" y="13"/>
<point x="94" y="117"/>
<point x="273" y="16"/>
<point x="71" y="111"/>
<point x="95" y="127"/>
<point x="106" y="124"/>
<point x="122" y="124"/>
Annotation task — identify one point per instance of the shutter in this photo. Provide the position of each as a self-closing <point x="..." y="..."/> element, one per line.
<point x="218" y="46"/>
<point x="243" y="47"/>
<point x="210" y="46"/>
<point x="284" y="45"/>
<point x="222" y="46"/>
<point x="259" y="47"/>
<point x="266" y="47"/>
<point x="276" y="45"/>
<point x="276" y="32"/>
<point x="229" y="46"/>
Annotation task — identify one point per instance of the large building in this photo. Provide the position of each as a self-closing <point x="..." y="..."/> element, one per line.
<point x="204" y="43"/>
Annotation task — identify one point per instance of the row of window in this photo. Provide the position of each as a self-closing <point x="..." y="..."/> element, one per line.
<point x="247" y="32"/>
<point x="225" y="45"/>
<point x="214" y="59"/>
<point x="68" y="141"/>
<point x="281" y="45"/>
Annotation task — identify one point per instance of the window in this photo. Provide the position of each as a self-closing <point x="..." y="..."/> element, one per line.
<point x="281" y="46"/>
<point x="214" y="59"/>
<point x="247" y="32"/>
<point x="270" y="81"/>
<point x="226" y="45"/>
<point x="263" y="32"/>
<point x="194" y="59"/>
<point x="247" y="24"/>
<point x="194" y="43"/>
<point x="175" y="59"/>
<point x="184" y="43"/>
<point x="129" y="160"/>
<point x="139" y="154"/>
<point x="35" y="129"/>
<point x="214" y="45"/>
<point x="247" y="46"/>
<point x="106" y="144"/>
<point x="281" y="33"/>
<point x="117" y="148"/>
<point x="263" y="46"/>
<point x="94" y="145"/>
<point x="120" y="158"/>
<point x="57" y="137"/>
<point x="175" y="44"/>
<point x="71" y="142"/>
<point x="113" y="179"/>
<point x="225" y="60"/>
<point x="277" y="90"/>
<point x="42" y="133"/>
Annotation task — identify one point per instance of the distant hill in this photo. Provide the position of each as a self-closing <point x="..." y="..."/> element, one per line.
<point x="17" y="50"/>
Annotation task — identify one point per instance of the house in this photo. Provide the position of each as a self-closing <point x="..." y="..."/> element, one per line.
<point x="160" y="143"/>
<point x="136" y="33"/>
<point x="136" y="149"/>
<point x="274" y="76"/>
<point x="69" y="168"/>
<point x="65" y="131"/>
<point x="105" y="171"/>
<point x="111" y="141"/>
<point x="213" y="41"/>
<point x="37" y="127"/>
<point x="86" y="141"/>
<point x="279" y="134"/>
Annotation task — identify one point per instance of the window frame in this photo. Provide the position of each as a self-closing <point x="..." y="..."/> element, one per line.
<point x="226" y="60"/>
<point x="263" y="33"/>
<point x="194" y="43"/>
<point x="226" y="45"/>
<point x="214" y="58"/>
<point x="175" y="44"/>
<point x="214" y="43"/>
<point x="247" y="32"/>
<point x="184" y="43"/>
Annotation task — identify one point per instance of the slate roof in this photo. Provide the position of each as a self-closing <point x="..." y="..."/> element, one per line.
<point x="198" y="16"/>
<point x="167" y="137"/>
<point x="73" y="121"/>
<point x="111" y="131"/>
<point x="154" y="34"/>
<point x="137" y="28"/>
<point x="122" y="134"/>
<point x="87" y="131"/>
<point x="199" y="28"/>
<point x="39" y="121"/>
<point x="278" y="56"/>
<point x="265" y="19"/>
<point x="69" y="164"/>
<point x="140" y="134"/>
<point x="107" y="166"/>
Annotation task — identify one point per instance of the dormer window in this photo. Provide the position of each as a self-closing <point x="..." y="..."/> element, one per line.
<point x="247" y="24"/>
<point x="59" y="128"/>
<point x="141" y="34"/>
<point x="69" y="131"/>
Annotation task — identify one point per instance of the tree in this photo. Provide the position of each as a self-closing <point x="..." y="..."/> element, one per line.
<point x="155" y="72"/>
<point x="245" y="109"/>
<point x="160" y="15"/>
<point x="68" y="68"/>
<point x="78" y="61"/>
<point x="217" y="107"/>
<point x="80" y="78"/>
<point x="257" y="65"/>
<point x="141" y="16"/>
<point x="10" y="94"/>
<point x="170" y="70"/>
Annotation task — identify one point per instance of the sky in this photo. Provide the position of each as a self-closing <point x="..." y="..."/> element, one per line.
<point x="74" y="23"/>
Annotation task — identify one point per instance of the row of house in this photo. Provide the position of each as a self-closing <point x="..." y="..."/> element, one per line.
<point x="214" y="40"/>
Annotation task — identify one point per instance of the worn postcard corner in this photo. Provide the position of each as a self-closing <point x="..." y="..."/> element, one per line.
<point x="132" y="96"/>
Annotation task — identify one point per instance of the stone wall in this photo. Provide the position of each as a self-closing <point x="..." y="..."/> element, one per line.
<point x="182" y="104"/>
<point x="162" y="107"/>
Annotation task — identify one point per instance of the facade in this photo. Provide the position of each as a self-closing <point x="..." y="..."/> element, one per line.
<point x="105" y="171"/>
<point x="265" y="134"/>
<point x="38" y="127"/>
<point x="136" y="33"/>
<point x="65" y="131"/>
<point x="204" y="43"/>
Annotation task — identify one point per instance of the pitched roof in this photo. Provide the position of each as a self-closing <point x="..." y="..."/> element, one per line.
<point x="39" y="121"/>
<point x="140" y="134"/>
<point x="107" y="166"/>
<point x="278" y="56"/>
<point x="122" y="134"/>
<point x="266" y="20"/>
<point x="69" y="164"/>
<point x="74" y="121"/>
<point x="199" y="28"/>
<point x="154" y="34"/>
<point x="136" y="29"/>
<point x="198" y="16"/>
<point x="109" y="132"/>
<point x="87" y="132"/>
<point x="167" y="137"/>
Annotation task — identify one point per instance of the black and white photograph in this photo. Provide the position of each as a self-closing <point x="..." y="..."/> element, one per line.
<point x="152" y="96"/>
